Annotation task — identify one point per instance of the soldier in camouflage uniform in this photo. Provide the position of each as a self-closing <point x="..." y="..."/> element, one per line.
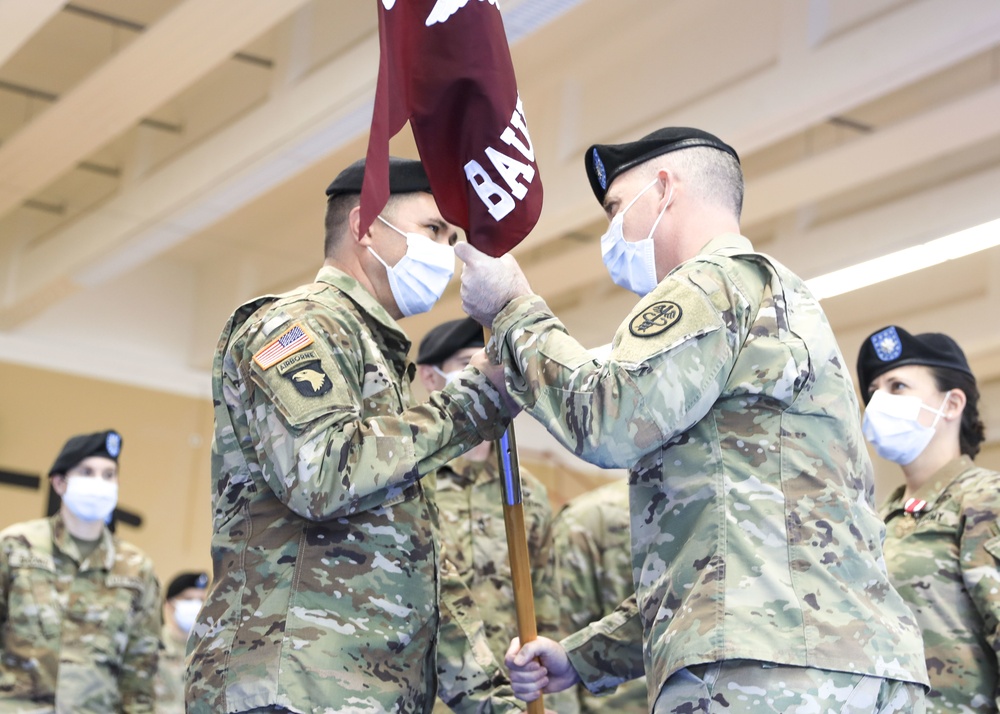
<point x="325" y="591"/>
<point x="79" y="607"/>
<point x="470" y="506"/>
<point x="760" y="581"/>
<point x="184" y="598"/>
<point x="942" y="544"/>
<point x="590" y="539"/>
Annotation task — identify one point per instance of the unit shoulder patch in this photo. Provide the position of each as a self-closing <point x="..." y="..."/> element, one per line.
<point x="655" y="319"/>
<point x="305" y="371"/>
<point x="292" y="340"/>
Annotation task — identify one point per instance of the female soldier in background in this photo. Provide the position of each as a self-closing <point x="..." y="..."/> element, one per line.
<point x="942" y="545"/>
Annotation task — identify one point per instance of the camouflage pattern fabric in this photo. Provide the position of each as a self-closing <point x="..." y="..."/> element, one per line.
<point x="590" y="538"/>
<point x="748" y="687"/>
<point x="325" y="589"/>
<point x="944" y="558"/>
<point x="169" y="682"/>
<point x="474" y="540"/>
<point x="754" y="532"/>
<point x="81" y="637"/>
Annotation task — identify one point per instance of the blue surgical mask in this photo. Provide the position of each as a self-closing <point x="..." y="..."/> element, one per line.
<point x="186" y="612"/>
<point x="90" y="498"/>
<point x="448" y="377"/>
<point x="632" y="265"/>
<point x="418" y="280"/>
<point x="891" y="425"/>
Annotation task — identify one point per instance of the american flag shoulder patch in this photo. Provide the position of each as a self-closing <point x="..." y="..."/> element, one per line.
<point x="288" y="342"/>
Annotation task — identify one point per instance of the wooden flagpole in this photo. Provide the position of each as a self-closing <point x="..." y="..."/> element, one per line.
<point x="517" y="542"/>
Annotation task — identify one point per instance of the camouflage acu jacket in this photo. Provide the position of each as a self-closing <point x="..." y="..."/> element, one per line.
<point x="590" y="537"/>
<point x="944" y="558"/>
<point x="83" y="636"/>
<point x="754" y="533"/>
<point x="325" y="589"/>
<point x="474" y="538"/>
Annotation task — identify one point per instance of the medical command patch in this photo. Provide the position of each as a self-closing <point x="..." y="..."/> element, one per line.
<point x="655" y="319"/>
<point x="287" y="343"/>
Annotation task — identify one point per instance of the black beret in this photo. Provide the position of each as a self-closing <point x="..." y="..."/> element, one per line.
<point x="448" y="338"/>
<point x="103" y="443"/>
<point x="183" y="581"/>
<point x="605" y="162"/>
<point x="893" y="347"/>
<point x="405" y="176"/>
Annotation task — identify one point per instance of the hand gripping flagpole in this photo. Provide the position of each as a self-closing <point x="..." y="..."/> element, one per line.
<point x="517" y="541"/>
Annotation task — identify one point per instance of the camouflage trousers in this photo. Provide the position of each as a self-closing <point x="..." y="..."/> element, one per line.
<point x="750" y="687"/>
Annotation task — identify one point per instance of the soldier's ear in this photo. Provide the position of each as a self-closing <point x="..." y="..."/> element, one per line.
<point x="59" y="484"/>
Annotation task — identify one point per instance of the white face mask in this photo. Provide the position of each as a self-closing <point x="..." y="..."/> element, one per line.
<point x="632" y="265"/>
<point x="891" y="426"/>
<point x="419" y="278"/>
<point x="448" y="377"/>
<point x="90" y="498"/>
<point x="185" y="612"/>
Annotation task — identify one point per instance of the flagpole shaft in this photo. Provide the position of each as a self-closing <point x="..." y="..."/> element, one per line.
<point x="517" y="545"/>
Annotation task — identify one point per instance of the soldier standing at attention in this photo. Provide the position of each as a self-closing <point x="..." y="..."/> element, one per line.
<point x="590" y="539"/>
<point x="470" y="505"/>
<point x="79" y="608"/>
<point x="942" y="544"/>
<point x="760" y="581"/>
<point x="325" y="591"/>
<point x="184" y="598"/>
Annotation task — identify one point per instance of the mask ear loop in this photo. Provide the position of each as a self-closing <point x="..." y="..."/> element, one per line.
<point x="939" y="412"/>
<point x="670" y="198"/>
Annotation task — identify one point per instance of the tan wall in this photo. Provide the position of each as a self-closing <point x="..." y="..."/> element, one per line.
<point x="164" y="463"/>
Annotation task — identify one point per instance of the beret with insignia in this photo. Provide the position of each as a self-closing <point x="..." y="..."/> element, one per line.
<point x="405" y="176"/>
<point x="604" y="162"/>
<point x="448" y="338"/>
<point x="102" y="443"/>
<point x="893" y="347"/>
<point x="183" y="581"/>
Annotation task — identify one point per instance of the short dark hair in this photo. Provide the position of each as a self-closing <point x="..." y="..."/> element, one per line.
<point x="338" y="208"/>
<point x="715" y="175"/>
<point x="972" y="432"/>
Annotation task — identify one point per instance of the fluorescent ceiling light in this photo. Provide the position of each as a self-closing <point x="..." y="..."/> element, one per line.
<point x="908" y="260"/>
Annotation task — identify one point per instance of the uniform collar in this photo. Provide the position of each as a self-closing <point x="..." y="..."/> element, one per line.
<point x="469" y="472"/>
<point x="103" y="553"/>
<point x="364" y="299"/>
<point x="926" y="498"/>
<point x="727" y="241"/>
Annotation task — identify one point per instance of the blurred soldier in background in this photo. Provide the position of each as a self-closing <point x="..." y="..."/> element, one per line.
<point x="183" y="600"/>
<point x="590" y="539"/>
<point x="79" y="607"/>
<point x="470" y="504"/>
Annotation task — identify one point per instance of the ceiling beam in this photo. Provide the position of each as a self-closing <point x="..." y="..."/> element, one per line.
<point x="182" y="47"/>
<point x="953" y="127"/>
<point x="20" y="20"/>
<point x="294" y="130"/>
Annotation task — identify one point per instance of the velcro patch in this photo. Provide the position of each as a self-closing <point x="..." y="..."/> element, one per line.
<point x="655" y="319"/>
<point x="305" y="371"/>
<point x="287" y="343"/>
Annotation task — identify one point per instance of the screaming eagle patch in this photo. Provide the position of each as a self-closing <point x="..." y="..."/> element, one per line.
<point x="305" y="371"/>
<point x="655" y="319"/>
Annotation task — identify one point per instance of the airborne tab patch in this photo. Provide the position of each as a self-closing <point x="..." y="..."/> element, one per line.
<point x="655" y="319"/>
<point x="287" y="343"/>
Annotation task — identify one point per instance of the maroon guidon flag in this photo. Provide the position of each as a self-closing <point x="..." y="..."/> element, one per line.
<point x="445" y="66"/>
